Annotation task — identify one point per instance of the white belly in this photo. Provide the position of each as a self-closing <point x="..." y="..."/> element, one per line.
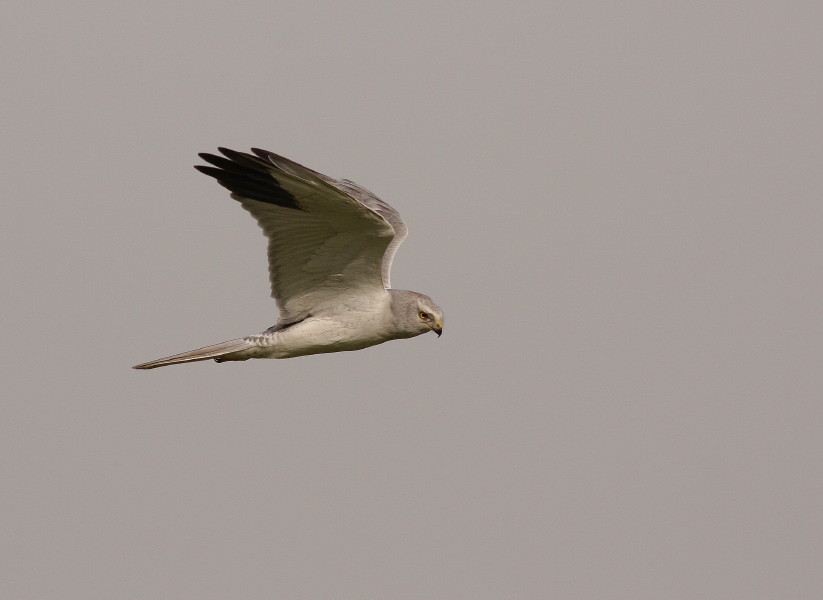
<point x="316" y="335"/>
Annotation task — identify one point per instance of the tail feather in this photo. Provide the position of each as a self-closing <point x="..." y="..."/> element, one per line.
<point x="215" y="351"/>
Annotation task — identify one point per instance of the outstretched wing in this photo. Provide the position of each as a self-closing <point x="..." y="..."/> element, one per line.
<point x="328" y="239"/>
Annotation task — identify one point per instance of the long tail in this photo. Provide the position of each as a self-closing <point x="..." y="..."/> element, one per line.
<point x="216" y="351"/>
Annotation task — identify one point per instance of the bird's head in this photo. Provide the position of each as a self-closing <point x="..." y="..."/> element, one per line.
<point x="431" y="317"/>
<point x="417" y="313"/>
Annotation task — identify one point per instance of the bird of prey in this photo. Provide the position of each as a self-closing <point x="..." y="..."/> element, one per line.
<point x="331" y="245"/>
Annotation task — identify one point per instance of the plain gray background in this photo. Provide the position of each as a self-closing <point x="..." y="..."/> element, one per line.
<point x="617" y="204"/>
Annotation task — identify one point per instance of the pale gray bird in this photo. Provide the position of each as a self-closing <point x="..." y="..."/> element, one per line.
<point x="331" y="245"/>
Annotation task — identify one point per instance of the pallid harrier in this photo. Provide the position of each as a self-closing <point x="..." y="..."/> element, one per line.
<point x="331" y="245"/>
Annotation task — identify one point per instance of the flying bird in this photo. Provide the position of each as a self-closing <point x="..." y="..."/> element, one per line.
<point x="330" y="246"/>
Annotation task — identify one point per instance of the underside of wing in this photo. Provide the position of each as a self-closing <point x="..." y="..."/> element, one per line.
<point x="327" y="238"/>
<point x="385" y="210"/>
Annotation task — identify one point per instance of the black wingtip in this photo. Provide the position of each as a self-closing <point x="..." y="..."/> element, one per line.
<point x="210" y="171"/>
<point x="236" y="155"/>
<point x="247" y="176"/>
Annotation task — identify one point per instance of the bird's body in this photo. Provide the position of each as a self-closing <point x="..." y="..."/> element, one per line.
<point x="331" y="245"/>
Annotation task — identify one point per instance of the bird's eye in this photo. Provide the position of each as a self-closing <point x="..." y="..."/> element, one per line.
<point x="424" y="316"/>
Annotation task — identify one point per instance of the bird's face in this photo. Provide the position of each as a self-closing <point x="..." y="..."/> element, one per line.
<point x="429" y="317"/>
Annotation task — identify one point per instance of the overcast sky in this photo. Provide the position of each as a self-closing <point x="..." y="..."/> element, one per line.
<point x="617" y="205"/>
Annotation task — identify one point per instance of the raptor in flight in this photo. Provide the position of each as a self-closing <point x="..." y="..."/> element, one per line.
<point x="331" y="245"/>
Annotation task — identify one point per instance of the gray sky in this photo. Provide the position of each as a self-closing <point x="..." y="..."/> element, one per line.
<point x="617" y="204"/>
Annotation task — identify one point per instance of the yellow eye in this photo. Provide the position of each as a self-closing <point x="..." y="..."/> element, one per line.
<point x="424" y="316"/>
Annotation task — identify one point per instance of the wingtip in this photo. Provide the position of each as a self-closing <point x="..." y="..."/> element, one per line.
<point x="235" y="154"/>
<point x="218" y="174"/>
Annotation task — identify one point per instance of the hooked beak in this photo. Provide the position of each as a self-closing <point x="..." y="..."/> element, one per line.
<point x="438" y="328"/>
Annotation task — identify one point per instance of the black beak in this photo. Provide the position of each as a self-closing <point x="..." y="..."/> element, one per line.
<point x="439" y="332"/>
